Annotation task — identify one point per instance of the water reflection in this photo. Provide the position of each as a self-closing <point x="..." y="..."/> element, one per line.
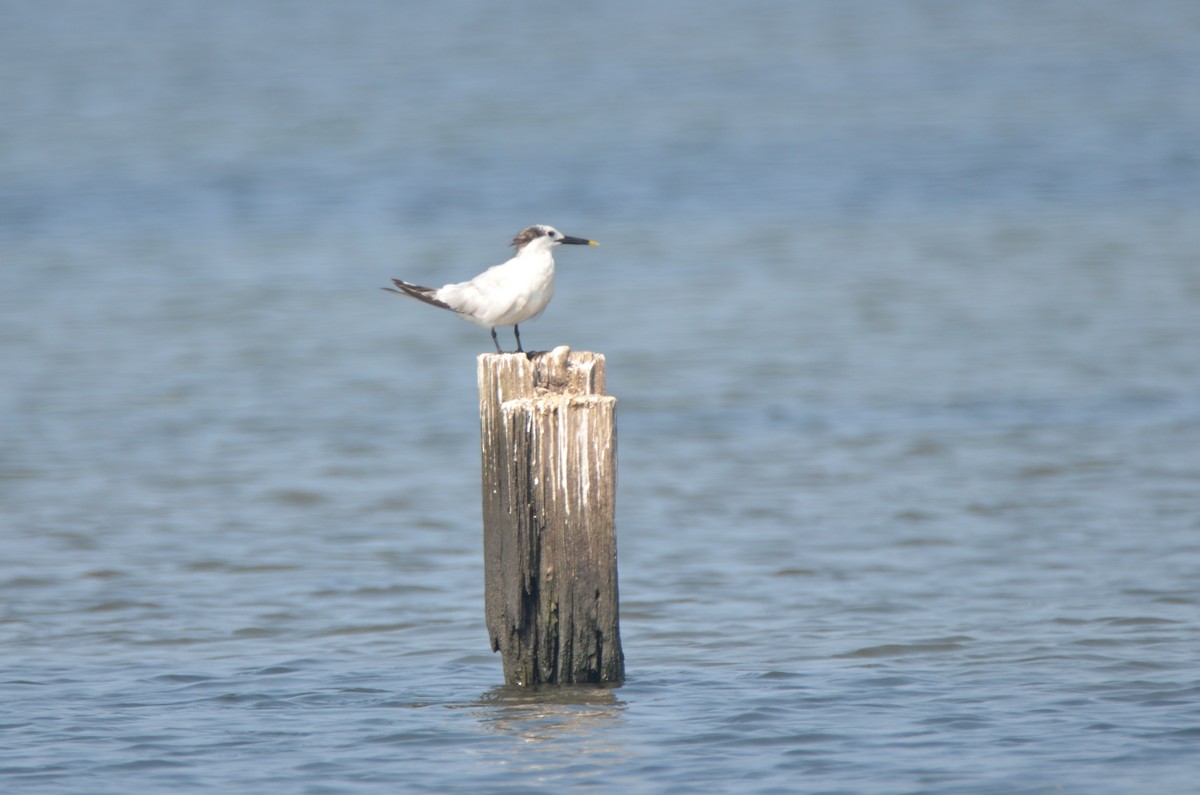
<point x="553" y="712"/>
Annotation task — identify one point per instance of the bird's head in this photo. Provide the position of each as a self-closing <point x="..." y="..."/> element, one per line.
<point x="547" y="237"/>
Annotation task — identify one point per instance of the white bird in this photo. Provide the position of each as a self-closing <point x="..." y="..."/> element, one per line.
<point x="506" y="294"/>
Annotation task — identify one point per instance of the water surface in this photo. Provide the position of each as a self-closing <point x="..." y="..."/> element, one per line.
<point x="900" y="303"/>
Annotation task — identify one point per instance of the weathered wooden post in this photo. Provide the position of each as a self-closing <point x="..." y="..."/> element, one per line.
<point x="549" y="538"/>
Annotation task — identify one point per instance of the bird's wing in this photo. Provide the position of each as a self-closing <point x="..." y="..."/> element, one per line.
<point x="427" y="294"/>
<point x="486" y="301"/>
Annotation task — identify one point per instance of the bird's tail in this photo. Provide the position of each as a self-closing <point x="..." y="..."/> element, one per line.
<point x="426" y="294"/>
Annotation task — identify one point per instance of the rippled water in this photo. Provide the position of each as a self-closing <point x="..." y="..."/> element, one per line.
<point x="900" y="302"/>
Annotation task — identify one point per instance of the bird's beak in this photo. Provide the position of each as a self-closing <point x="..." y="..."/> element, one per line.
<point x="579" y="241"/>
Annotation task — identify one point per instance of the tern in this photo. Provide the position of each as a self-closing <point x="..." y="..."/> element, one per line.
<point x="506" y="294"/>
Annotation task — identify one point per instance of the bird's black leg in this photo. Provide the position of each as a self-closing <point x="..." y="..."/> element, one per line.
<point x="496" y="341"/>
<point x="517" y="334"/>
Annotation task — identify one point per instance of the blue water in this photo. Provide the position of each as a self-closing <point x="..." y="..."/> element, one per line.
<point x="900" y="302"/>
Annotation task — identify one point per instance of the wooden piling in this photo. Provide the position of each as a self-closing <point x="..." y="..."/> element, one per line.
<point x="549" y="538"/>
